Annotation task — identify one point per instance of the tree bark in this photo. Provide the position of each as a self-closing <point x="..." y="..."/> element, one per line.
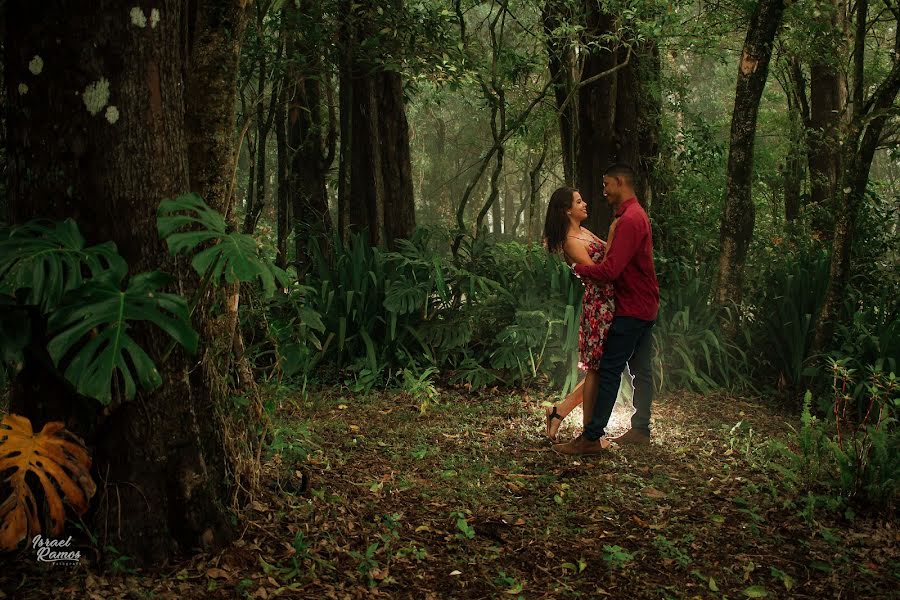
<point x="309" y="163"/>
<point x="638" y="114"/>
<point x="869" y="118"/>
<point x="108" y="164"/>
<point x="562" y="65"/>
<point x="828" y="101"/>
<point x="739" y="214"/>
<point x="596" y="119"/>
<point x="378" y="168"/>
<point x="396" y="162"/>
<point x="210" y="96"/>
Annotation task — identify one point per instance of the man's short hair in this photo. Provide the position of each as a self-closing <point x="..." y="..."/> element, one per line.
<point x="622" y="170"/>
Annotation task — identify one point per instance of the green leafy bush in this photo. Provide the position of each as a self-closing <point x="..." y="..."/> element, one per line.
<point x="496" y="313"/>
<point x="85" y="301"/>
<point x="692" y="351"/>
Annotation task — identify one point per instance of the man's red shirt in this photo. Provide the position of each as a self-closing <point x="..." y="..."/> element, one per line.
<point x="629" y="264"/>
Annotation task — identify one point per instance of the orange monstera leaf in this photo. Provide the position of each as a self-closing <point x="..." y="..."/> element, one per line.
<point x="59" y="461"/>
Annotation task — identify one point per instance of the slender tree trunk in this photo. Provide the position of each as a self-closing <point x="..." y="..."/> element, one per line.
<point x="534" y="194"/>
<point x="265" y="114"/>
<point x="739" y="214"/>
<point x="108" y="164"/>
<point x="798" y="109"/>
<point x="210" y="96"/>
<point x="345" y="76"/>
<point x="869" y="118"/>
<point x="283" y="208"/>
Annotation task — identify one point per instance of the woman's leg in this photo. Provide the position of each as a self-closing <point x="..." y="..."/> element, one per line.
<point x="563" y="409"/>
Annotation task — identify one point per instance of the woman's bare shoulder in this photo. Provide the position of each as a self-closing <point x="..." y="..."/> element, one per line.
<point x="591" y="234"/>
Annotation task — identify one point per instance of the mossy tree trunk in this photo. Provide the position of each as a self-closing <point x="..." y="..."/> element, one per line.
<point x="739" y="214"/>
<point x="870" y="114"/>
<point x="828" y="104"/>
<point x="123" y="145"/>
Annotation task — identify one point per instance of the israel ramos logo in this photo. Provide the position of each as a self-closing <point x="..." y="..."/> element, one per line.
<point x="52" y="550"/>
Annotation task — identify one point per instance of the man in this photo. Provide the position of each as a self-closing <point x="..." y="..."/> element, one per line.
<point x="629" y="266"/>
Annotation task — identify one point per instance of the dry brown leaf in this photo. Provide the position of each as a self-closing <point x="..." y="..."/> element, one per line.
<point x="61" y="464"/>
<point x="652" y="492"/>
<point x="217" y="573"/>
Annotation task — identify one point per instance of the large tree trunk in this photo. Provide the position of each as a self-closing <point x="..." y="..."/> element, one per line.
<point x="596" y="119"/>
<point x="828" y="101"/>
<point x="309" y="162"/>
<point x="366" y="176"/>
<point x="396" y="163"/>
<point x="378" y="169"/>
<point x="562" y="65"/>
<point x="618" y="115"/>
<point x="869" y="118"/>
<point x="638" y="113"/>
<point x="739" y="214"/>
<point x="108" y="164"/>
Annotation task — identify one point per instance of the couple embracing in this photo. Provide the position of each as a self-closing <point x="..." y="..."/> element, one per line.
<point x="620" y="305"/>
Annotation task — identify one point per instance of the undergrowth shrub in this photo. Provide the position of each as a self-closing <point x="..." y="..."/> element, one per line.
<point x="496" y="313"/>
<point x="851" y="458"/>
<point x="692" y="351"/>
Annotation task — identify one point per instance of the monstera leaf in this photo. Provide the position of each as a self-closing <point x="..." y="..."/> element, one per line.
<point x="234" y="255"/>
<point x="49" y="259"/>
<point x="94" y="322"/>
<point x="60" y="464"/>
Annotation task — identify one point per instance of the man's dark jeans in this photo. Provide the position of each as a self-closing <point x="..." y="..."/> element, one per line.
<point x="629" y="343"/>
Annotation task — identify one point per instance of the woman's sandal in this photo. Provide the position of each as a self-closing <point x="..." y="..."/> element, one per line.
<point x="550" y="416"/>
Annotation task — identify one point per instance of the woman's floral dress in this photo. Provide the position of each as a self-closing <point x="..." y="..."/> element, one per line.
<point x="597" y="308"/>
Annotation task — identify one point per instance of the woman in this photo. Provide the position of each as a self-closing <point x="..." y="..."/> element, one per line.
<point x="563" y="234"/>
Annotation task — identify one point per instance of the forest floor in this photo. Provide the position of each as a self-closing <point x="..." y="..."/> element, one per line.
<point x="467" y="500"/>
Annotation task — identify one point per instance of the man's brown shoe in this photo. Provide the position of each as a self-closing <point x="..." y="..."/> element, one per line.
<point x="633" y="436"/>
<point x="582" y="445"/>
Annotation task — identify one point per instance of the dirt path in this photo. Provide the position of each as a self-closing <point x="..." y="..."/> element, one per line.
<point x="468" y="501"/>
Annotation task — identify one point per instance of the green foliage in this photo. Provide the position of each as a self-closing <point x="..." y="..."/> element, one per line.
<point x="616" y="556"/>
<point x="43" y="260"/>
<point x="101" y="311"/>
<point x="52" y="276"/>
<point x="498" y="313"/>
<point x="852" y="458"/>
<point x="84" y="299"/>
<point x="785" y="318"/>
<point x="187" y="223"/>
<point x="692" y="352"/>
